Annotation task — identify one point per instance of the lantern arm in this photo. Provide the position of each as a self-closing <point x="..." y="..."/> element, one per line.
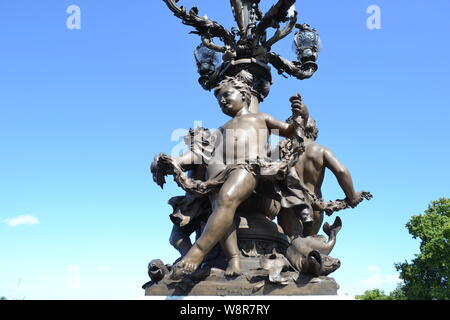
<point x="204" y="27"/>
<point x="281" y="33"/>
<point x="296" y="69"/>
<point x="209" y="43"/>
<point x="276" y="14"/>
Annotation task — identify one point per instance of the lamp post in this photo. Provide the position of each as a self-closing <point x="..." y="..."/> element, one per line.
<point x="260" y="187"/>
<point x="247" y="46"/>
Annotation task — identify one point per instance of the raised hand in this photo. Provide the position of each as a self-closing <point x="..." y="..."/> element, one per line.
<point x="300" y="112"/>
<point x="296" y="104"/>
<point x="358" y="198"/>
<point x="160" y="167"/>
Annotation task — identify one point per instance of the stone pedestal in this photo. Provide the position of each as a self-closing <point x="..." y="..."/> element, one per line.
<point x="258" y="236"/>
<point x="253" y="283"/>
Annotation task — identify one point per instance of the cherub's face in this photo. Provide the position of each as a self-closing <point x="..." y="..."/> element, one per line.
<point x="231" y="100"/>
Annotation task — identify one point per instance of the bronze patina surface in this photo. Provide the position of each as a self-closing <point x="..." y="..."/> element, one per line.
<point x="256" y="211"/>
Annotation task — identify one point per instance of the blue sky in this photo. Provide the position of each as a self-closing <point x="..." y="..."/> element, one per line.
<point x="82" y="112"/>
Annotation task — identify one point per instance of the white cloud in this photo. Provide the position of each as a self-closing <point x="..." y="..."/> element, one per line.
<point x="375" y="280"/>
<point x="26" y="219"/>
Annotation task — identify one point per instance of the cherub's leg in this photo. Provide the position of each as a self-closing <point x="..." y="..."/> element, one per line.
<point x="230" y="247"/>
<point x="291" y="225"/>
<point x="238" y="187"/>
<point x="314" y="228"/>
<point x="180" y="240"/>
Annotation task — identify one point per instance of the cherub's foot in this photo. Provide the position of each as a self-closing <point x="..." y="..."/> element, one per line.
<point x="234" y="267"/>
<point x="181" y="269"/>
<point x="188" y="264"/>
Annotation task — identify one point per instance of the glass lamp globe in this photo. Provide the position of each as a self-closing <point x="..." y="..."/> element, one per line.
<point x="307" y="44"/>
<point x="207" y="59"/>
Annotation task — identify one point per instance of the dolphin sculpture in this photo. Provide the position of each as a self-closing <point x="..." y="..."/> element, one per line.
<point x="310" y="255"/>
<point x="157" y="270"/>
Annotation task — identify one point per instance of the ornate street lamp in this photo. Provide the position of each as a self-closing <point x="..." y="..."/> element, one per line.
<point x="278" y="185"/>
<point x="247" y="47"/>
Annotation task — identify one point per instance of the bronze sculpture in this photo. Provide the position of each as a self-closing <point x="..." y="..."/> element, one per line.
<point x="247" y="135"/>
<point x="236" y="185"/>
<point x="310" y="169"/>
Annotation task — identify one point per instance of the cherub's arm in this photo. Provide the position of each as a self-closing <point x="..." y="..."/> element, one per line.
<point x="284" y="129"/>
<point x="297" y="122"/>
<point x="201" y="147"/>
<point x="343" y="177"/>
<point x="163" y="165"/>
<point x="187" y="160"/>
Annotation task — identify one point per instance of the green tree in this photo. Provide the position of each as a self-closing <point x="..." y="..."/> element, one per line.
<point x="398" y="293"/>
<point x="427" y="276"/>
<point x="3" y="298"/>
<point x="374" y="294"/>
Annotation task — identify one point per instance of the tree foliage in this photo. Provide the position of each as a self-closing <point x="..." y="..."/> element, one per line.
<point x="377" y="294"/>
<point x="374" y="294"/>
<point x="427" y="276"/>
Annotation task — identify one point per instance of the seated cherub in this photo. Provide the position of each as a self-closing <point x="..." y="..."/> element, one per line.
<point x="234" y="169"/>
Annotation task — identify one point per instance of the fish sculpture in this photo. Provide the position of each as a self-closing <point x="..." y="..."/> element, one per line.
<point x="157" y="270"/>
<point x="310" y="255"/>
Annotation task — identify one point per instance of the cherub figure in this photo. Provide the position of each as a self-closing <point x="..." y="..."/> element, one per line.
<point x="310" y="168"/>
<point x="233" y="169"/>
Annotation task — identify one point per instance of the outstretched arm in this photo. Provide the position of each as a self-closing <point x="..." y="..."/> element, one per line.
<point x="297" y="123"/>
<point x="284" y="129"/>
<point x="163" y="165"/>
<point x="343" y="177"/>
<point x="187" y="160"/>
<point x="201" y="146"/>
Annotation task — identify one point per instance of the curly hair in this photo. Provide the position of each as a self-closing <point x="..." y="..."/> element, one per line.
<point x="311" y="130"/>
<point x="241" y="82"/>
